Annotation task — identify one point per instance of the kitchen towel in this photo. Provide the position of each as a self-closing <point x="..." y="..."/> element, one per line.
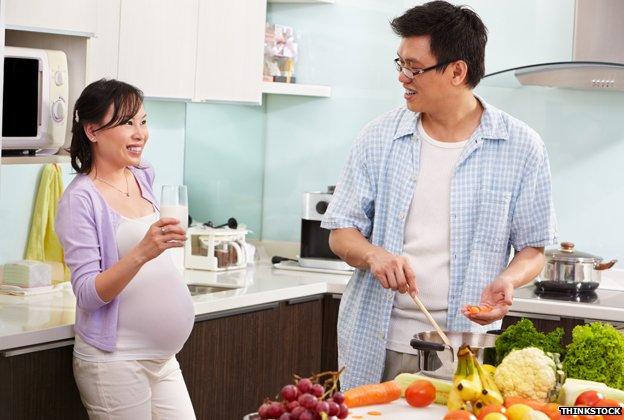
<point x="43" y="244"/>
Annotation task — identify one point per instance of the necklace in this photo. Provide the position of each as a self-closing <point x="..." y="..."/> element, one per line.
<point x="126" y="193"/>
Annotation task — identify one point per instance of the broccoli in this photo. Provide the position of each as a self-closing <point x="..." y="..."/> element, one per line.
<point x="523" y="334"/>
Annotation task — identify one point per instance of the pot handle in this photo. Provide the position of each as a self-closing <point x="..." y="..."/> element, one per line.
<point x="426" y="345"/>
<point x="604" y="266"/>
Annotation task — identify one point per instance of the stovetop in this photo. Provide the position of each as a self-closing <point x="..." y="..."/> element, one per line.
<point x="602" y="297"/>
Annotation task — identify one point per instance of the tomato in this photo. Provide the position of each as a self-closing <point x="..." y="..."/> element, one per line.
<point x="459" y="415"/>
<point x="591" y="417"/>
<point x="588" y="398"/>
<point x="611" y="403"/>
<point x="494" y="408"/>
<point x="420" y="393"/>
<point x="574" y="417"/>
<point x="552" y="411"/>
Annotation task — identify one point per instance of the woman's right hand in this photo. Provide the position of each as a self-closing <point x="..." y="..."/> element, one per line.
<point x="164" y="234"/>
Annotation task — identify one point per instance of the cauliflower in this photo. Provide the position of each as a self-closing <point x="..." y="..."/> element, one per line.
<point x="527" y="373"/>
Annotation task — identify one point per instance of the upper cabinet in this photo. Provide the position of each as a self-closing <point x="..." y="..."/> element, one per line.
<point x="157" y="46"/>
<point x="230" y="50"/>
<point x="58" y="16"/>
<point x="103" y="48"/>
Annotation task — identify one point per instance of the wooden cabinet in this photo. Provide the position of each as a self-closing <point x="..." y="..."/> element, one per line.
<point x="157" y="46"/>
<point x="329" y="352"/>
<point x="40" y="385"/>
<point x="230" y="50"/>
<point x="59" y="16"/>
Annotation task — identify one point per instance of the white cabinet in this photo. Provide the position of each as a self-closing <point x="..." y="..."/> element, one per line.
<point x="230" y="50"/>
<point x="103" y="49"/>
<point x="157" y="46"/>
<point x="74" y="17"/>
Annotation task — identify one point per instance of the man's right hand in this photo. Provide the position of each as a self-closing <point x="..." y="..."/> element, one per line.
<point x="392" y="272"/>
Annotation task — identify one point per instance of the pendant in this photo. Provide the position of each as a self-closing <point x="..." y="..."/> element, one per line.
<point x="128" y="195"/>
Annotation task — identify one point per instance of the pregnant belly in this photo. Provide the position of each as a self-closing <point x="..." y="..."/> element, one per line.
<point x="156" y="313"/>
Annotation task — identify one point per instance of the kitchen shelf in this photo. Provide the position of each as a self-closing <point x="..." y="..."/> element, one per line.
<point x="296" y="89"/>
<point x="301" y="1"/>
<point x="35" y="160"/>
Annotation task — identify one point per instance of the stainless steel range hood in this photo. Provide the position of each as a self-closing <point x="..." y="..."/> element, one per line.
<point x="598" y="52"/>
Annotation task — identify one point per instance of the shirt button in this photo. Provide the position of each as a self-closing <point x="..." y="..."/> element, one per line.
<point x="382" y="335"/>
<point x="415" y="178"/>
<point x="454" y="256"/>
<point x="402" y="216"/>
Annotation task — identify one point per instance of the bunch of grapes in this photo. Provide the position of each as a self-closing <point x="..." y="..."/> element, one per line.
<point x="307" y="400"/>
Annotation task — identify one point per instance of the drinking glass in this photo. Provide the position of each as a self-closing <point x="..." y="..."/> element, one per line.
<point x="174" y="203"/>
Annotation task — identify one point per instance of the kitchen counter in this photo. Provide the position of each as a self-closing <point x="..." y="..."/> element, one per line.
<point x="39" y="319"/>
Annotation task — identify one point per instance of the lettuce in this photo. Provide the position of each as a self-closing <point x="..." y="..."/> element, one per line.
<point x="523" y="334"/>
<point x="596" y="353"/>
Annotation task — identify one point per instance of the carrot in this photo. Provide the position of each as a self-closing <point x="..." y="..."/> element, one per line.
<point x="382" y="393"/>
<point x="535" y="405"/>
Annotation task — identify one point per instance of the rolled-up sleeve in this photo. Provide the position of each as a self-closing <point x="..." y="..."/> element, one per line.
<point x="352" y="204"/>
<point x="534" y="223"/>
<point x="76" y="229"/>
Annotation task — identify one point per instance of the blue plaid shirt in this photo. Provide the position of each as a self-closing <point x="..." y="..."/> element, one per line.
<point x="500" y="198"/>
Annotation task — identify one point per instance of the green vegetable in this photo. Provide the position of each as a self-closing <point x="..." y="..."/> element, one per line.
<point x="523" y="334"/>
<point x="596" y="354"/>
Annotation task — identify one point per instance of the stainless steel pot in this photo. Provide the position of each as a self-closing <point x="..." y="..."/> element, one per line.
<point x="440" y="361"/>
<point x="567" y="269"/>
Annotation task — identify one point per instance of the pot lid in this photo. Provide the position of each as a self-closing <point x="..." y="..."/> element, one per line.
<point x="566" y="252"/>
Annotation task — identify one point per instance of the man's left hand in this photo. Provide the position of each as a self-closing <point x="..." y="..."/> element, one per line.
<point x="497" y="295"/>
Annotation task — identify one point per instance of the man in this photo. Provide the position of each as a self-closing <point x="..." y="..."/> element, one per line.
<point x="432" y="199"/>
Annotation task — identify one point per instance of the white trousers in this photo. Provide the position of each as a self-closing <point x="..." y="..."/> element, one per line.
<point x="133" y="390"/>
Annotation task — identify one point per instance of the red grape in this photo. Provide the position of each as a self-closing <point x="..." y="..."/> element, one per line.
<point x="344" y="412"/>
<point x="307" y="401"/>
<point x="338" y="397"/>
<point x="322" y="407"/>
<point x="263" y="410"/>
<point x="304" y="385"/>
<point x="334" y="408"/>
<point x="317" y="390"/>
<point x="289" y="393"/>
<point x="275" y="410"/>
<point x="306" y="415"/>
<point x="292" y="405"/>
<point x="285" y="416"/>
<point x="294" y="415"/>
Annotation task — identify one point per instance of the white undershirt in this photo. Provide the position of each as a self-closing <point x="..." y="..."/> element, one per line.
<point x="426" y="242"/>
<point x="156" y="312"/>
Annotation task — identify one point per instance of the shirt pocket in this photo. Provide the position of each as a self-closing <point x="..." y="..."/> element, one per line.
<point x="493" y="227"/>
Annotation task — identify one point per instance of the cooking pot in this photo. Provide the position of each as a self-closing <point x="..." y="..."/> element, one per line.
<point x="440" y="361"/>
<point x="567" y="269"/>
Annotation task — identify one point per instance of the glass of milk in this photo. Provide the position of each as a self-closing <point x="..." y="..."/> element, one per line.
<point x="174" y="203"/>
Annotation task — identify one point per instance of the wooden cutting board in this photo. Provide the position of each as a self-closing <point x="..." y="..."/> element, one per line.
<point x="398" y="410"/>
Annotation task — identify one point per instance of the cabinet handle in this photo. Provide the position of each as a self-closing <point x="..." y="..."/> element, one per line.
<point x="236" y="311"/>
<point x="336" y="296"/>
<point x="37" y="347"/>
<point x="304" y="299"/>
<point x="536" y="316"/>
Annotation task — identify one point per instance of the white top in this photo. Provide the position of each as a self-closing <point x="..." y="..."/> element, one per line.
<point x="156" y="312"/>
<point x="426" y="242"/>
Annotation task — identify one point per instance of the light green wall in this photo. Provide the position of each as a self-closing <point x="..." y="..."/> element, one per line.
<point x="19" y="183"/>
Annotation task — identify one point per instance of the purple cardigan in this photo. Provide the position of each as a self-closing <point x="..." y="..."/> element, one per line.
<point x="86" y="225"/>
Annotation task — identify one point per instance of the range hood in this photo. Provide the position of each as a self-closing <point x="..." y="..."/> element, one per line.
<point x="598" y="52"/>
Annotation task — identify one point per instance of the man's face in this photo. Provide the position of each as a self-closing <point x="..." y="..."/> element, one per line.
<point x="425" y="91"/>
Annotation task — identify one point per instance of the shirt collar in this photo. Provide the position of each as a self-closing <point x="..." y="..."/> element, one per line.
<point x="491" y="126"/>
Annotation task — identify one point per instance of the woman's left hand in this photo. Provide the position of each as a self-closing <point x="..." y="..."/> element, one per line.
<point x="497" y="295"/>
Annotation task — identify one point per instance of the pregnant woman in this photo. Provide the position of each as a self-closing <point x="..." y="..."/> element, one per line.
<point x="134" y="311"/>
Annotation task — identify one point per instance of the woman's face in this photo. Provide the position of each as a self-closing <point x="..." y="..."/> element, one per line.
<point x="122" y="145"/>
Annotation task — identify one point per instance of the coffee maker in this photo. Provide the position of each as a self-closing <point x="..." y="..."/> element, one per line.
<point x="315" y="252"/>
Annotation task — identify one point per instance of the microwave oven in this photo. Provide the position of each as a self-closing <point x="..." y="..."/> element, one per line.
<point x="35" y="100"/>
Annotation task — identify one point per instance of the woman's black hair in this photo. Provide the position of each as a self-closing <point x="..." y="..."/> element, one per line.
<point x="91" y="107"/>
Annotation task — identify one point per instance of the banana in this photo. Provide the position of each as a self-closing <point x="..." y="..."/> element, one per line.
<point x="490" y="393"/>
<point x="469" y="385"/>
<point x="455" y="402"/>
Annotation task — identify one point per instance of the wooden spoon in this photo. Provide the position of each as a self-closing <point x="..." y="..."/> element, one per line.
<point x="432" y="321"/>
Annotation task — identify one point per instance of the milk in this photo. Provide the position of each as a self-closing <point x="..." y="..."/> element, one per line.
<point x="177" y="212"/>
<point x="180" y="213"/>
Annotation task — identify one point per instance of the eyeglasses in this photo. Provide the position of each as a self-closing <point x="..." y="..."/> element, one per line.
<point x="412" y="73"/>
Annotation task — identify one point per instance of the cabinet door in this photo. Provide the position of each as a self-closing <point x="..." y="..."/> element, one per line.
<point x="59" y="16"/>
<point x="230" y="50"/>
<point x="40" y="385"/>
<point x="157" y="45"/>
<point x="300" y="337"/>
<point x="231" y="364"/>
<point x="329" y="353"/>
<point x="103" y="49"/>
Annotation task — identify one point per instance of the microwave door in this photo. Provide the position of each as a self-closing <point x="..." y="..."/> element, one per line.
<point x="21" y="110"/>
